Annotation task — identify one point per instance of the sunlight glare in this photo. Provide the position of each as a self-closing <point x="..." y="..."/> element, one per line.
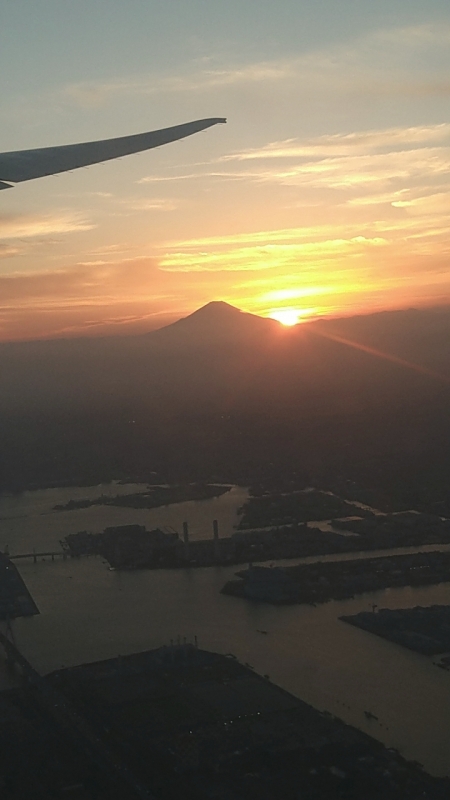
<point x="288" y="316"/>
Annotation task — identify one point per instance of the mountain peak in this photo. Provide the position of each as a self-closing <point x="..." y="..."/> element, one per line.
<point x="216" y="309"/>
<point x="217" y="320"/>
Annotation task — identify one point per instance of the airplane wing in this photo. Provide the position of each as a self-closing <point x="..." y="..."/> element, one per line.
<point x="24" y="165"/>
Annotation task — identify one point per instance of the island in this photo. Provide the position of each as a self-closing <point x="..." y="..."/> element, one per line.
<point x="155" y="497"/>
<point x="132" y="546"/>
<point x="338" y="580"/>
<point x="424" y="630"/>
<point x="405" y="528"/>
<point x="270" y="510"/>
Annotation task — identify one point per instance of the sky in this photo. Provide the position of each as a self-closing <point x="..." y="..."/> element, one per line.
<point x="327" y="192"/>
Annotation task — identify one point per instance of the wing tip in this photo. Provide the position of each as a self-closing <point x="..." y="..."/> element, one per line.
<point x="216" y="121"/>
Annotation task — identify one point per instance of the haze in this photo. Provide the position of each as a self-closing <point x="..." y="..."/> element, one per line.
<point x="326" y="194"/>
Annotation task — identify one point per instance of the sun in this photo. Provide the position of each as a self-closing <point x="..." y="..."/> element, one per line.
<point x="287" y="316"/>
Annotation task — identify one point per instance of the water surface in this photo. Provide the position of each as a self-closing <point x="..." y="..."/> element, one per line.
<point x="89" y="612"/>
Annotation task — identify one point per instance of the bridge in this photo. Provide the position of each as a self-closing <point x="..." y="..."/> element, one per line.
<point x="49" y="553"/>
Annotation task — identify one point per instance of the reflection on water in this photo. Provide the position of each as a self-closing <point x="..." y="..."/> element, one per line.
<point x="89" y="612"/>
<point x="42" y="501"/>
<point x="28" y="520"/>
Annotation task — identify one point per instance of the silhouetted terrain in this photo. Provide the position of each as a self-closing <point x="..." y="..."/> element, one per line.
<point x="229" y="396"/>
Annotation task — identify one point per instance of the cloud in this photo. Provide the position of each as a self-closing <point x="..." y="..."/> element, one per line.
<point x="265" y="250"/>
<point x="371" y="167"/>
<point x="9" y="251"/>
<point x="383" y="62"/>
<point x="25" y="226"/>
<point x="347" y="144"/>
<point x="151" y="204"/>
<point x="281" y="235"/>
<point x="415" y="37"/>
<point x="93" y="94"/>
<point x="223" y="175"/>
<point x="93" y="282"/>
<point x="128" y="296"/>
<point x="361" y="160"/>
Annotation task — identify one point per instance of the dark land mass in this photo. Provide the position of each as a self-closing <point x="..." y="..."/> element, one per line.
<point x="133" y="547"/>
<point x="40" y="760"/>
<point x="193" y="724"/>
<point x="227" y="397"/>
<point x="157" y="496"/>
<point x="425" y="630"/>
<point x="405" y="529"/>
<point x="15" y="599"/>
<point x="284" y="509"/>
<point x="338" y="580"/>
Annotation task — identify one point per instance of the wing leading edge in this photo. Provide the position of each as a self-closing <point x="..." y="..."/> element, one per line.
<point x="24" y="165"/>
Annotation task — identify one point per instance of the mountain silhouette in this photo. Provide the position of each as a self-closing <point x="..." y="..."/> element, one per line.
<point x="219" y="356"/>
<point x="215" y="322"/>
<point x="221" y="386"/>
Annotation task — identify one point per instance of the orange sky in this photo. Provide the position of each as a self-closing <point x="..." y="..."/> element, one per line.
<point x="326" y="194"/>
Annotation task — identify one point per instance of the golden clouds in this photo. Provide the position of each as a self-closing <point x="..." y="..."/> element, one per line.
<point x="267" y="215"/>
<point x="368" y="227"/>
<point x="20" y="226"/>
<point x="103" y="297"/>
<point x="278" y="250"/>
<point x="354" y="161"/>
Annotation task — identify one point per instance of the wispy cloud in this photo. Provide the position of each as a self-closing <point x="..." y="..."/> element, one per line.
<point x="95" y="281"/>
<point x="151" y="204"/>
<point x="348" y="144"/>
<point x="24" y="226"/>
<point x="374" y="166"/>
<point x="97" y="93"/>
<point x="125" y="296"/>
<point x="265" y="250"/>
<point x="381" y="62"/>
<point x="8" y="251"/>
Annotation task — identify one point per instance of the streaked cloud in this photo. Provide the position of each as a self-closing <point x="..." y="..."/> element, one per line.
<point x="356" y="143"/>
<point x="95" y="93"/>
<point x="382" y="62"/>
<point x="278" y="250"/>
<point x="151" y="204"/>
<point x="273" y="217"/>
<point x="96" y="281"/>
<point x="9" y="251"/>
<point x="23" y="226"/>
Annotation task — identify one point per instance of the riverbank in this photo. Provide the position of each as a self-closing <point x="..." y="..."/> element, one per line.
<point x="276" y="510"/>
<point x="90" y="613"/>
<point x="154" y="497"/>
<point x="424" y="630"/>
<point x="133" y="547"/>
<point x="320" y="582"/>
<point x="213" y="727"/>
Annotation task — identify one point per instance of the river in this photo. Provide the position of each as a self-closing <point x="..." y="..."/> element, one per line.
<point x="89" y="612"/>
